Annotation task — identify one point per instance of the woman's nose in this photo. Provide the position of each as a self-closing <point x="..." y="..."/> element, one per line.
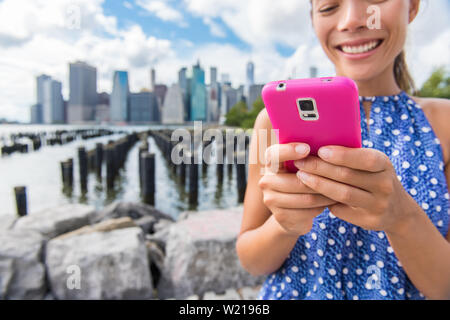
<point x="353" y="16"/>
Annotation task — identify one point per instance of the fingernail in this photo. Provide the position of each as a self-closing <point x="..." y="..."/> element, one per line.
<point x="325" y="153"/>
<point x="303" y="175"/>
<point x="301" y="149"/>
<point x="299" y="163"/>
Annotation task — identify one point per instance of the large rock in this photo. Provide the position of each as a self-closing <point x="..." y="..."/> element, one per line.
<point x="7" y="221"/>
<point x="104" y="226"/>
<point x="22" y="273"/>
<point x="201" y="255"/>
<point x="110" y="265"/>
<point x="143" y="215"/>
<point x="55" y="221"/>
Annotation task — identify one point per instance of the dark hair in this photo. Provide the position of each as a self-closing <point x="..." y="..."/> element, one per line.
<point x="402" y="76"/>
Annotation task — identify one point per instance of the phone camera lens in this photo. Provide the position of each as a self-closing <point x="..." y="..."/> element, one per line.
<point x="281" y="85"/>
<point x="306" y="105"/>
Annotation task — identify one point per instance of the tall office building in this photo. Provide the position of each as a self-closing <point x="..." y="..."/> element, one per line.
<point x="143" y="107"/>
<point x="313" y="72"/>
<point x="53" y="106"/>
<point x="119" y="97"/>
<point x="250" y="73"/>
<point x="213" y="75"/>
<point x="198" y="94"/>
<point x="213" y="103"/>
<point x="83" y="92"/>
<point x="250" y="77"/>
<point x="152" y="79"/>
<point x="183" y="83"/>
<point x="37" y="112"/>
<point x="36" y="116"/>
<point x="103" y="109"/>
<point x="173" y="109"/>
<point x="40" y="88"/>
<point x="254" y="94"/>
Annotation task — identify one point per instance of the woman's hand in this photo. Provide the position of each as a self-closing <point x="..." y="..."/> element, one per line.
<point x="363" y="182"/>
<point x="293" y="204"/>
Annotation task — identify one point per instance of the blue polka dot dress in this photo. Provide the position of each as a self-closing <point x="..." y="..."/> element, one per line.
<point x="338" y="260"/>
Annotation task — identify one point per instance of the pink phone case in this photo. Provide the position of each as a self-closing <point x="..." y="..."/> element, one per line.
<point x="337" y="117"/>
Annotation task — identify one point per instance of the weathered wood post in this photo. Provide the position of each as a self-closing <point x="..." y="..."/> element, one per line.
<point x="83" y="168"/>
<point x="142" y="149"/>
<point x="148" y="181"/>
<point x="193" y="178"/>
<point x="21" y="200"/>
<point x="99" y="159"/>
<point x="110" y="166"/>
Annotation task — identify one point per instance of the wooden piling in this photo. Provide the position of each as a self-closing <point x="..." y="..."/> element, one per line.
<point x="21" y="200"/>
<point x="83" y="168"/>
<point x="148" y="178"/>
<point x="110" y="166"/>
<point x="193" y="179"/>
<point x="241" y="176"/>
<point x="98" y="159"/>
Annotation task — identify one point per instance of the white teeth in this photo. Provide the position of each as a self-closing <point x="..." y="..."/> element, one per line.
<point x="360" y="49"/>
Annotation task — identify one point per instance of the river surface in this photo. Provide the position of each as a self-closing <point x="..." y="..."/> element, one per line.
<point x="40" y="172"/>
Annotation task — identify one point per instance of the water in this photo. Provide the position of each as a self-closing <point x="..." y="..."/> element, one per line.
<point x="40" y="172"/>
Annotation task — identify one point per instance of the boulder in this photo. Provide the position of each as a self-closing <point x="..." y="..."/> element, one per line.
<point x="156" y="260"/>
<point x="104" y="226"/>
<point x="7" y="221"/>
<point x="230" y="294"/>
<point x="100" y="265"/>
<point x="22" y="273"/>
<point x="144" y="215"/>
<point x="55" y="221"/>
<point x="201" y="255"/>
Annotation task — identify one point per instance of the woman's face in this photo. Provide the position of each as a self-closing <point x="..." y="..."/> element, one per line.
<point x="348" y="32"/>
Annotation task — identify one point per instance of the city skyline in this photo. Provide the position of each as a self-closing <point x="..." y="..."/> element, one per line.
<point x="137" y="35"/>
<point x="192" y="98"/>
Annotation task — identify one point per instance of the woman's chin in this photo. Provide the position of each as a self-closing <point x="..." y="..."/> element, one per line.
<point x="359" y="73"/>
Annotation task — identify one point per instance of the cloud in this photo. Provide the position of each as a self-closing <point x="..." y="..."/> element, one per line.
<point x="54" y="44"/>
<point x="163" y="11"/>
<point x="127" y="5"/>
<point x="214" y="28"/>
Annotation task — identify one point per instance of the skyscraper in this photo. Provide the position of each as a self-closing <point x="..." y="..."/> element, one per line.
<point x="119" y="97"/>
<point x="198" y="94"/>
<point x="183" y="83"/>
<point x="143" y="107"/>
<point x="250" y="74"/>
<point x="53" y="106"/>
<point x="254" y="94"/>
<point x="152" y="79"/>
<point x="213" y="75"/>
<point x="83" y="92"/>
<point x="173" y="109"/>
<point x="36" y="114"/>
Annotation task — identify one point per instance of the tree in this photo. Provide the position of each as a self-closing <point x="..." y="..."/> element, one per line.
<point x="240" y="116"/>
<point x="249" y="121"/>
<point x="437" y="85"/>
<point x="237" y="114"/>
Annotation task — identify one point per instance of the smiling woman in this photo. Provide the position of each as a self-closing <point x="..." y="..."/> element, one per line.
<point x="368" y="223"/>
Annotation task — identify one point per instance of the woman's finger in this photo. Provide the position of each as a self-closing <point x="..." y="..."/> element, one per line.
<point x="277" y="154"/>
<point x="337" y="191"/>
<point x="296" y="200"/>
<point x="284" y="182"/>
<point x="362" y="179"/>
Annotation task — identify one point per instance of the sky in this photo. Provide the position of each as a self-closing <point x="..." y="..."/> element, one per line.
<point x="43" y="36"/>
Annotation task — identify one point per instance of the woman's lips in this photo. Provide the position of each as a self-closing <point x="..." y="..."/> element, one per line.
<point x="359" y="49"/>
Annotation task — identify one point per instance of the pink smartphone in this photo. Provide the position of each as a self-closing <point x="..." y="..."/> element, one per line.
<point x="317" y="111"/>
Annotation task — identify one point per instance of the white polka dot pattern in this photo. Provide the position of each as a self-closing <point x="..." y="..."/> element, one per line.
<point x="338" y="260"/>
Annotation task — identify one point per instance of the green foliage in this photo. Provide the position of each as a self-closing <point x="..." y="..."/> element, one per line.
<point x="240" y="116"/>
<point x="437" y="85"/>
